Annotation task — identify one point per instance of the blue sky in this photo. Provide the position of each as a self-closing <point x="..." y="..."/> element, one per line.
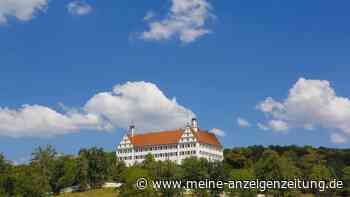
<point x="255" y="50"/>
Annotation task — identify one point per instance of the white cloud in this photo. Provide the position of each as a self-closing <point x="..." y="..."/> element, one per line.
<point x="278" y="125"/>
<point x="243" y="123"/>
<point x="218" y="132"/>
<point x="37" y="120"/>
<point x="79" y="8"/>
<point x="263" y="127"/>
<point x="270" y="106"/>
<point x="310" y="104"/>
<point x="23" y="10"/>
<point x="186" y="20"/>
<point x="337" y="138"/>
<point x="139" y="102"/>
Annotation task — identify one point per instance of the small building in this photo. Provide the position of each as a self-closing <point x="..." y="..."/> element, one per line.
<point x="70" y="189"/>
<point x="174" y="145"/>
<point x="111" y="185"/>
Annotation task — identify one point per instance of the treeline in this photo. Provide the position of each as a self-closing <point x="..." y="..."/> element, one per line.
<point x="289" y="163"/>
<point x="48" y="172"/>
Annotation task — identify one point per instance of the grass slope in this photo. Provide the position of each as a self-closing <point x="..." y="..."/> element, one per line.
<point x="113" y="193"/>
<point x="93" y="193"/>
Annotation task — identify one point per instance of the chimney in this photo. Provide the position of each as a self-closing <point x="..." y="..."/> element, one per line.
<point x="194" y="124"/>
<point x="131" y="130"/>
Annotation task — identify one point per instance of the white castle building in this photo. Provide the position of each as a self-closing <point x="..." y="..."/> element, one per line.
<point x="174" y="145"/>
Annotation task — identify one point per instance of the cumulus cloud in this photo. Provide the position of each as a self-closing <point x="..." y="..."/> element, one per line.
<point x="243" y="123"/>
<point x="142" y="103"/>
<point x="37" y="120"/>
<point x="310" y="104"/>
<point x="274" y="125"/>
<point x="218" y="132"/>
<point x="23" y="10"/>
<point x="79" y="8"/>
<point x="278" y="125"/>
<point x="263" y="127"/>
<point x="187" y="20"/>
<point x="338" y="138"/>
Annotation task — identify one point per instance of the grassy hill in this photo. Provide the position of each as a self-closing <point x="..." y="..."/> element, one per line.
<point x="93" y="193"/>
<point x="113" y="193"/>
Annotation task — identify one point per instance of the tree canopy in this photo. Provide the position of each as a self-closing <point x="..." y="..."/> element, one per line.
<point x="48" y="172"/>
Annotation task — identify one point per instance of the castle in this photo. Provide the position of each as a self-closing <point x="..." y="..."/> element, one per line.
<point x="174" y="145"/>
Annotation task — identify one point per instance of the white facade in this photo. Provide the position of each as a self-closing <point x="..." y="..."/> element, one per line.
<point x="187" y="146"/>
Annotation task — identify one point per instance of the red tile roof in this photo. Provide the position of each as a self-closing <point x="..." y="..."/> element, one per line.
<point x="156" y="138"/>
<point x="207" y="138"/>
<point x="171" y="137"/>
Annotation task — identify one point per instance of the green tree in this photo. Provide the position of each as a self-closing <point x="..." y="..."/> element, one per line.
<point x="28" y="180"/>
<point x="195" y="169"/>
<point x="64" y="173"/>
<point x="241" y="175"/>
<point x="236" y="158"/>
<point x="346" y="179"/>
<point x="83" y="172"/>
<point x="168" y="170"/>
<point x="216" y="173"/>
<point x="321" y="172"/>
<point x="96" y="163"/>
<point x="114" y="167"/>
<point x="346" y="176"/>
<point x="150" y="165"/>
<point x="6" y="185"/>
<point x="130" y="177"/>
<point x="271" y="166"/>
<point x="43" y="159"/>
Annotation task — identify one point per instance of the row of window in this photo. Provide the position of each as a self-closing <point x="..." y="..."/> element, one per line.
<point x="161" y="147"/>
<point x="192" y="152"/>
<point x="125" y="145"/>
<point x="188" y="139"/>
<point x="124" y="158"/>
<point x="128" y="150"/>
<point x="188" y="135"/>
<point x="160" y="155"/>
<point x="214" y="156"/>
<point x="209" y="146"/>
<point x="188" y="145"/>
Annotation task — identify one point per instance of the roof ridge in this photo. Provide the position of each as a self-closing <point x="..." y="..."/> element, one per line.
<point x="172" y="137"/>
<point x="164" y="131"/>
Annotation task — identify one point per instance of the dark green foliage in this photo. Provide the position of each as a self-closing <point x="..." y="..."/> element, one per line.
<point x="6" y="186"/>
<point x="114" y="167"/>
<point x="30" y="182"/>
<point x="93" y="167"/>
<point x="289" y="162"/>
<point x="130" y="177"/>
<point x="49" y="172"/>
<point x="83" y="173"/>
<point x="64" y="173"/>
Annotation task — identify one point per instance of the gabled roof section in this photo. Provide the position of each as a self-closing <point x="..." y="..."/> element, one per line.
<point x="157" y="138"/>
<point x="172" y="137"/>
<point x="206" y="137"/>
